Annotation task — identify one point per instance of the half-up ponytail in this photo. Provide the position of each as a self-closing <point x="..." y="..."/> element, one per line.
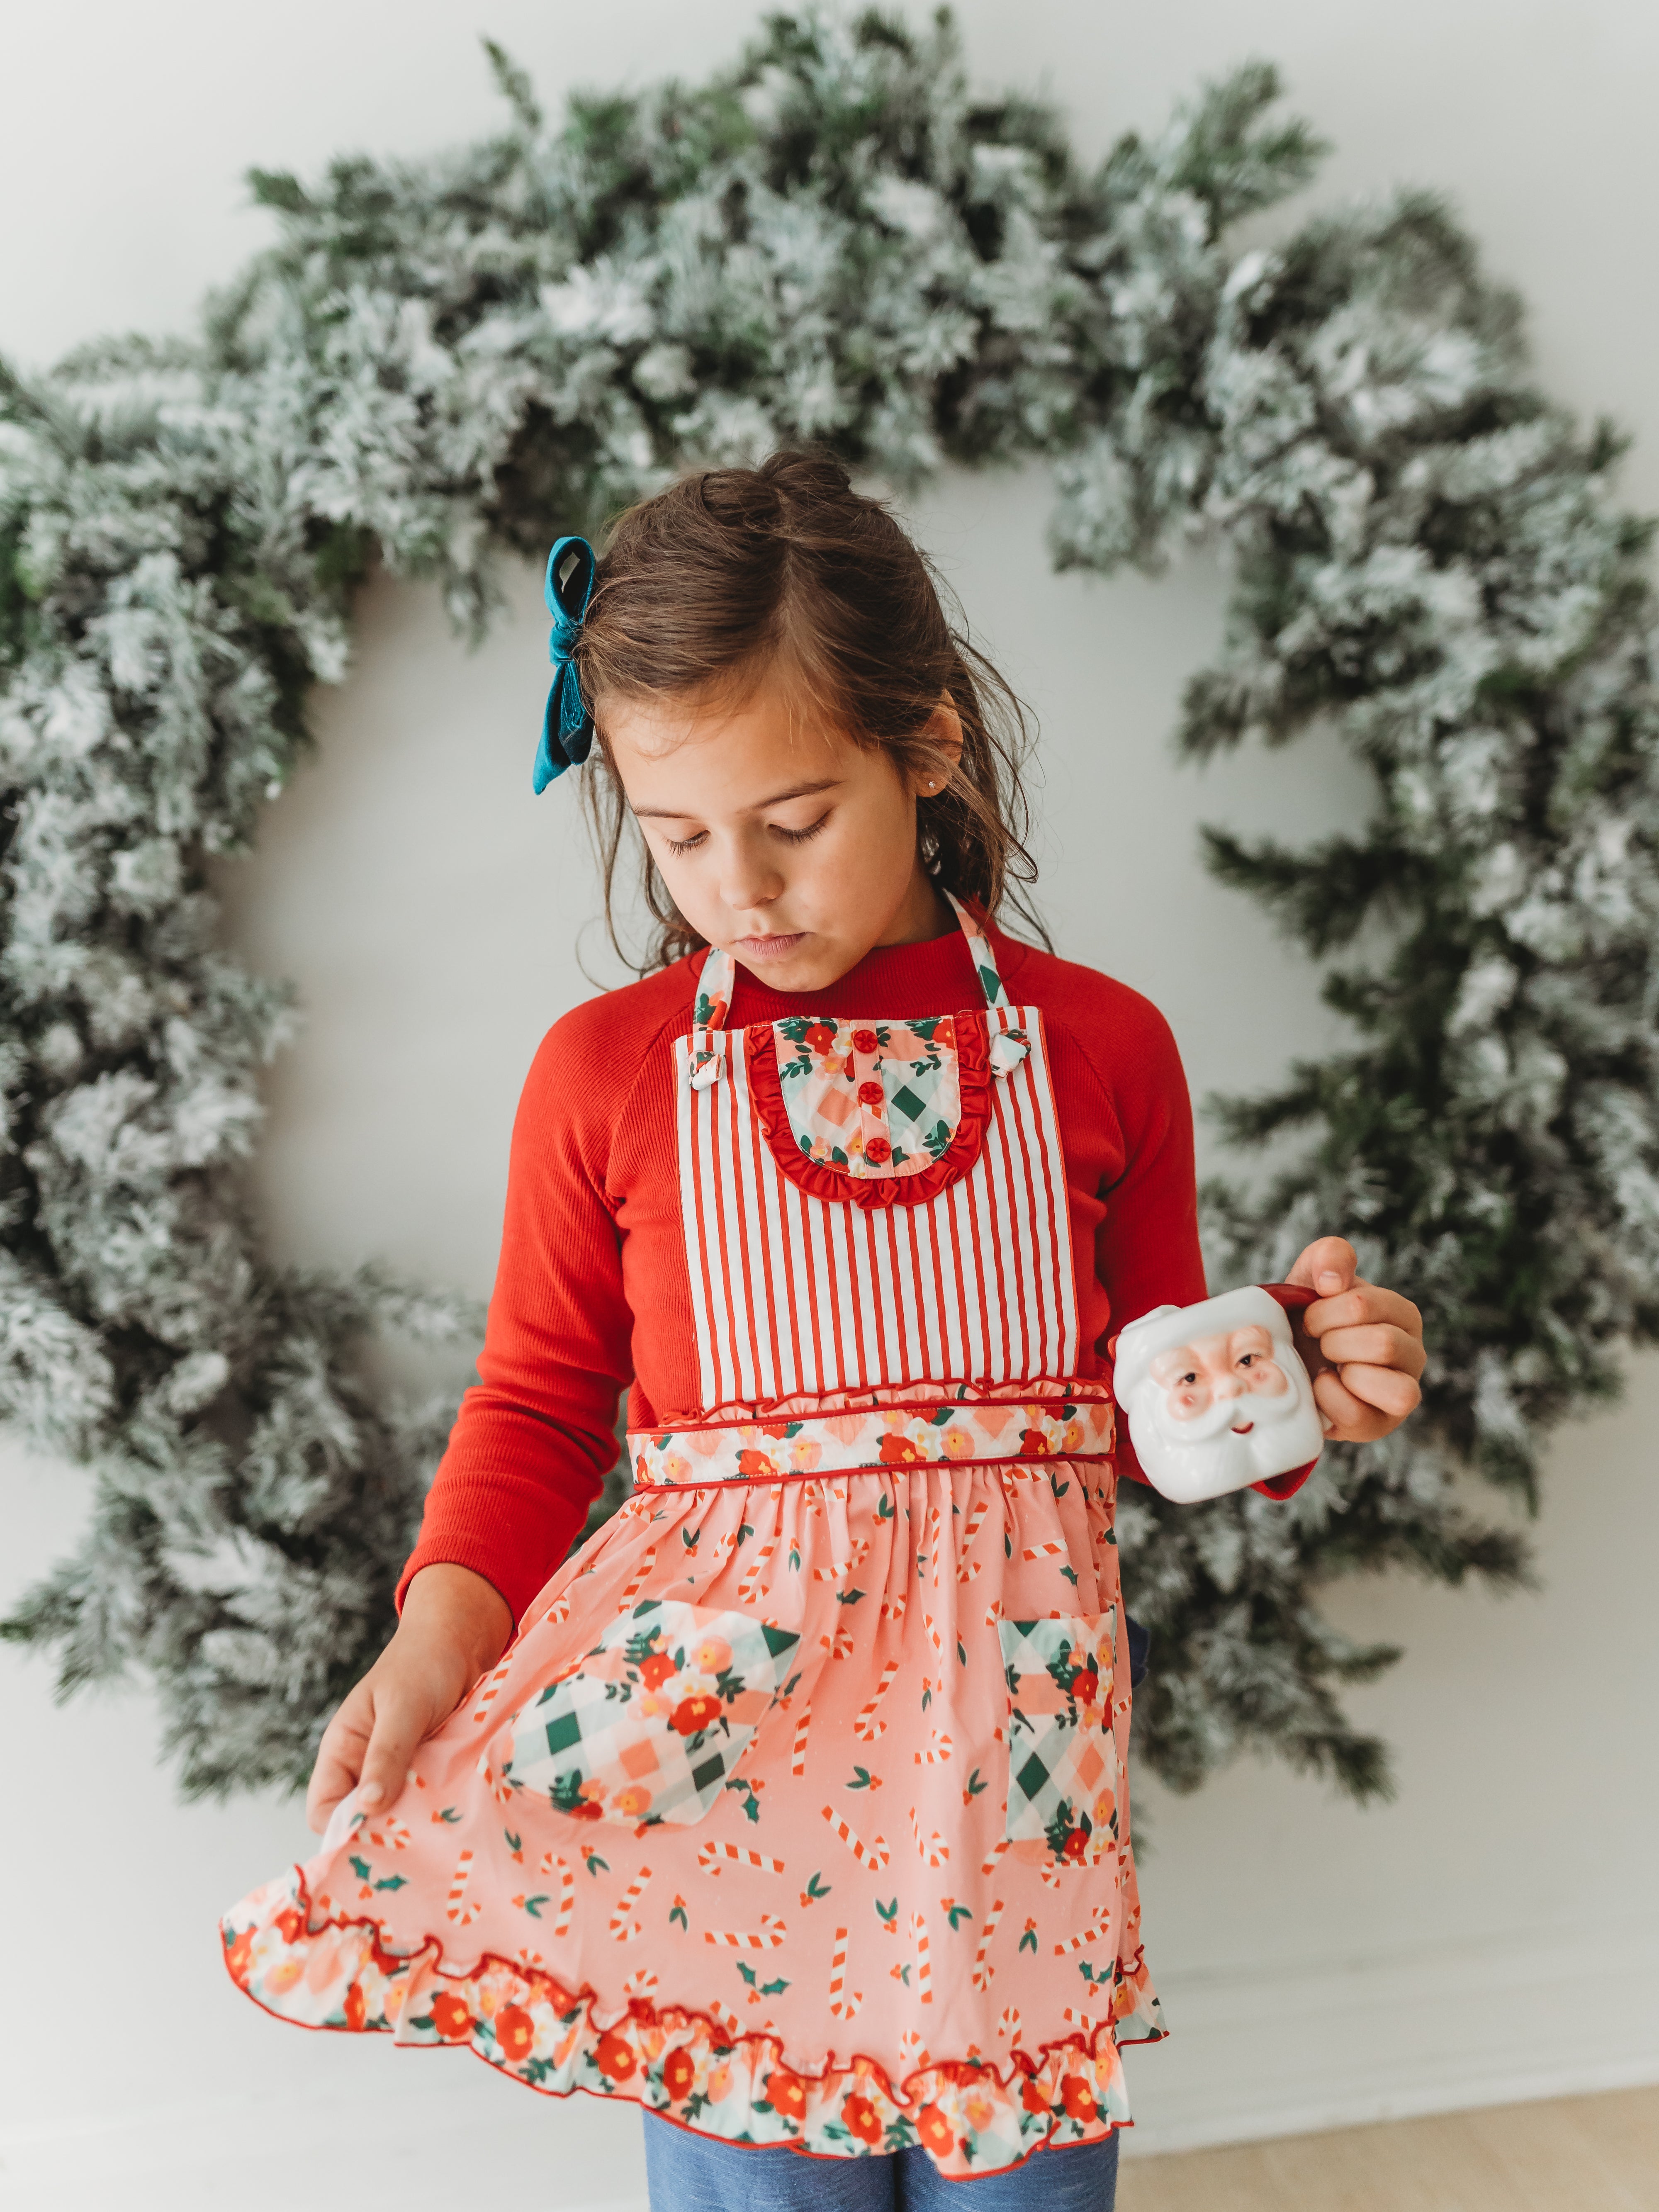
<point x="729" y="572"/>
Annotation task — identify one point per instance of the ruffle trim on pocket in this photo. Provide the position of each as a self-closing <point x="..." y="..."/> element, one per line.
<point x="820" y="1179"/>
<point x="971" y="2116"/>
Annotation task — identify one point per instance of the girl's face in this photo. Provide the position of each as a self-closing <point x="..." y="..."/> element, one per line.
<point x="780" y="840"/>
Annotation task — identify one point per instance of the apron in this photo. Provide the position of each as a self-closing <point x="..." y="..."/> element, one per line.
<point x="796" y="1810"/>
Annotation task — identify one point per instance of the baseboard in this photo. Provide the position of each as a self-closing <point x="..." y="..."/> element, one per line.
<point x="1258" y="2053"/>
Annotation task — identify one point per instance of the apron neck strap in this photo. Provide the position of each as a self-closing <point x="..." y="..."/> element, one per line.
<point x="715" y="986"/>
<point x="985" y="961"/>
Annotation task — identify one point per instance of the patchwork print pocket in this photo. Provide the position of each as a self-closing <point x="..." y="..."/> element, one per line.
<point x="646" y="1727"/>
<point x="1063" y="1782"/>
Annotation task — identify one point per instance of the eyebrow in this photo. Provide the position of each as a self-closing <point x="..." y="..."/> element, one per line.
<point x="795" y="790"/>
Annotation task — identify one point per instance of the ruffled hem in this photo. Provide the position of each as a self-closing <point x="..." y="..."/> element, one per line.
<point x="971" y="2115"/>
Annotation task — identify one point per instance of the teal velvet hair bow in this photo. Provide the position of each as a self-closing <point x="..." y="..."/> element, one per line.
<point x="567" y="726"/>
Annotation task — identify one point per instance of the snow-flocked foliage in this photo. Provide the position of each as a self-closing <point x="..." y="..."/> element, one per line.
<point x="832" y="241"/>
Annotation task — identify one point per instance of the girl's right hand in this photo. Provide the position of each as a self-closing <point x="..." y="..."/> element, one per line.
<point x="454" y="1627"/>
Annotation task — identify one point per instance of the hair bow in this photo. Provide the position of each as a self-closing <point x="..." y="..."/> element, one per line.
<point x="567" y="726"/>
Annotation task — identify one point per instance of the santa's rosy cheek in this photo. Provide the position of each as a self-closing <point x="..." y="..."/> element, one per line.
<point x="1187" y="1404"/>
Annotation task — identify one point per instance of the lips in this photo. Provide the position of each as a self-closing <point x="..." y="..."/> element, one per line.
<point x="1242" y="1428"/>
<point x="769" y="948"/>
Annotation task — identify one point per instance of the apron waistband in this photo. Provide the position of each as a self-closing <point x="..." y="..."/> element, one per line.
<point x="878" y="1439"/>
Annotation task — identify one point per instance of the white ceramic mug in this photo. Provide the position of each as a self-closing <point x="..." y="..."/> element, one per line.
<point x="1217" y="1395"/>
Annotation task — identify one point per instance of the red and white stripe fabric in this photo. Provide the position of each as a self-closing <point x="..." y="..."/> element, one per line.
<point x="792" y="1293"/>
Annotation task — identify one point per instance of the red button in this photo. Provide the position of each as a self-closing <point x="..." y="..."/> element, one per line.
<point x="879" y="1152"/>
<point x="871" y="1094"/>
<point x="865" y="1041"/>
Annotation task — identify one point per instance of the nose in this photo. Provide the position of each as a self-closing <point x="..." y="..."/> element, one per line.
<point x="751" y="881"/>
<point x="1229" y="1386"/>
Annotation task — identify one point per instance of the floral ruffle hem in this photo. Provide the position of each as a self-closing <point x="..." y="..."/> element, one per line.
<point x="973" y="2117"/>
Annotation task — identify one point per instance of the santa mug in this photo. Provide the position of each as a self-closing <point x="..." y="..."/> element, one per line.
<point x="1217" y="1394"/>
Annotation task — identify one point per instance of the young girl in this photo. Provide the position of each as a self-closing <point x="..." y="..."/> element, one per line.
<point x="795" y="1809"/>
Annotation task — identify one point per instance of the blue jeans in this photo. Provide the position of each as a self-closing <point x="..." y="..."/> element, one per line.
<point x="689" y="2173"/>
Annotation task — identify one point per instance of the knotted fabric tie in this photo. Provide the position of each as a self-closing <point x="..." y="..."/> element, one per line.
<point x="1008" y="1048"/>
<point x="567" y="726"/>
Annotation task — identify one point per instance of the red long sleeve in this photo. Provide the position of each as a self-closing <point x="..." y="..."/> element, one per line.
<point x="592" y="1289"/>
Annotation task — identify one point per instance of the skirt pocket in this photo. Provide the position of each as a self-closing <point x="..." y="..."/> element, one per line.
<point x="646" y="1727"/>
<point x="1062" y="1756"/>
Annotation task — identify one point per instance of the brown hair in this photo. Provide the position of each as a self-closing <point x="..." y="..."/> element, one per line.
<point x="731" y="571"/>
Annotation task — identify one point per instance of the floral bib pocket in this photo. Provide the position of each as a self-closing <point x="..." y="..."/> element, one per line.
<point x="648" y="1726"/>
<point x="877" y="1113"/>
<point x="873" y="1098"/>
<point x="1062" y="1756"/>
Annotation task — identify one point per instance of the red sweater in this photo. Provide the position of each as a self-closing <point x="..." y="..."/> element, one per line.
<point x="593" y="1294"/>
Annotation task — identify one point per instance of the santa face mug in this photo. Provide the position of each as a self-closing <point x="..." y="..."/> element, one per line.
<point x="1217" y="1394"/>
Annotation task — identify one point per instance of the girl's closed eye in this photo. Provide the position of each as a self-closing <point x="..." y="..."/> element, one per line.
<point x="790" y="836"/>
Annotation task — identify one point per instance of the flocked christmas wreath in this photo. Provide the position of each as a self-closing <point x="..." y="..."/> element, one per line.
<point x="834" y="240"/>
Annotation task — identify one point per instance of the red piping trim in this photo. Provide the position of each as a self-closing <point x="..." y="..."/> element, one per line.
<point x="892" y="1468"/>
<point x="881" y="1401"/>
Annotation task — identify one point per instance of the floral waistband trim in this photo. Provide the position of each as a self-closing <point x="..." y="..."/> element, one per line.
<point x="948" y="1432"/>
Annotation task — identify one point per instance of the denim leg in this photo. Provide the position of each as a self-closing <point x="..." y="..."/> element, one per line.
<point x="689" y="2173"/>
<point x="1081" y="2178"/>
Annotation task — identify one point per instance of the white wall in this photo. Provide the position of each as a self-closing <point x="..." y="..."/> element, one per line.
<point x="1492" y="1935"/>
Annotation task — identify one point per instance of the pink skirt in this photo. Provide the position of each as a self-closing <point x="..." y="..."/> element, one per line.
<point x="796" y="1812"/>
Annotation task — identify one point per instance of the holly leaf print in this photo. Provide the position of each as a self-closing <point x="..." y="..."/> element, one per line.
<point x="746" y="1790"/>
<point x="962" y="1655"/>
<point x="751" y="1974"/>
<point x="884" y="1507"/>
<point x="901" y="1974"/>
<point x="887" y="1916"/>
<point x="863" y="1779"/>
<point x="1070" y="1574"/>
<point x="1028" y="1940"/>
<point x="848" y="1597"/>
<point x="974" y="1788"/>
<point x="532" y="1906"/>
<point x="514" y="1844"/>
<point x="362" y="1870"/>
<point x="815" y="1888"/>
<point x="449" y="1815"/>
<point x="393" y="1881"/>
<point x="676" y="1912"/>
<point x="773" y="1989"/>
<point x="955" y="1913"/>
<point x="596" y="1865"/>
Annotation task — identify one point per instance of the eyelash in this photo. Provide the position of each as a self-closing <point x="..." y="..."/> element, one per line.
<point x="789" y="836"/>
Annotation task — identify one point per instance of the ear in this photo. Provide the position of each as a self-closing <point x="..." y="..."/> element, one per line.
<point x="942" y="734"/>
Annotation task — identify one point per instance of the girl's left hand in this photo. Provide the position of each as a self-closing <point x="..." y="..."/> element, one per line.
<point x="1373" y="1339"/>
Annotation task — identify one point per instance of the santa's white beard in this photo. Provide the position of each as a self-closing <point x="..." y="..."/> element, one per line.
<point x="1208" y="1456"/>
